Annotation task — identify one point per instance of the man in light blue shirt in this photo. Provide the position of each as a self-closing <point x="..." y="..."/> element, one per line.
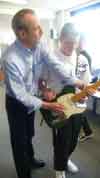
<point x="23" y="62"/>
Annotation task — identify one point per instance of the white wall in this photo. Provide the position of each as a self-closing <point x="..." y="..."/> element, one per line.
<point x="62" y="16"/>
<point x="6" y="34"/>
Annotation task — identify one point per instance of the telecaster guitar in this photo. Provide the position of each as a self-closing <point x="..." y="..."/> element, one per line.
<point x="70" y="100"/>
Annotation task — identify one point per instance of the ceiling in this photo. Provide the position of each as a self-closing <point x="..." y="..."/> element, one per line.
<point x="45" y="8"/>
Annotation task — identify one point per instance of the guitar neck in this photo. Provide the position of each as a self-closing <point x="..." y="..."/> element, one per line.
<point x="78" y="96"/>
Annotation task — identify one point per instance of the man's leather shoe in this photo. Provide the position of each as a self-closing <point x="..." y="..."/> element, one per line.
<point x="35" y="164"/>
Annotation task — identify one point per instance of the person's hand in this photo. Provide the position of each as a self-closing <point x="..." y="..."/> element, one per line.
<point x="53" y="106"/>
<point x="80" y="84"/>
<point x="48" y="94"/>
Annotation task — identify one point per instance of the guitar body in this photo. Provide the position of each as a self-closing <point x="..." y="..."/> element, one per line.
<point x="70" y="107"/>
<point x="53" y="119"/>
<point x="69" y="99"/>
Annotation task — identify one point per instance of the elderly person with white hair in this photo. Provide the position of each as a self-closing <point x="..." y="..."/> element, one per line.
<point x="65" y="138"/>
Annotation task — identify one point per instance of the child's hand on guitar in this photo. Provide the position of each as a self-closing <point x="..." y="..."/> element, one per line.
<point x="80" y="84"/>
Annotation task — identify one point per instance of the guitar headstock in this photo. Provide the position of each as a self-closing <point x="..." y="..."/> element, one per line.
<point x="85" y="92"/>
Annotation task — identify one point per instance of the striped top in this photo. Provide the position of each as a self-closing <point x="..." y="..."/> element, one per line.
<point x="23" y="67"/>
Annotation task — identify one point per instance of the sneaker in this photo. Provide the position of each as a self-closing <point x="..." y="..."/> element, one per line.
<point x="72" y="167"/>
<point x="60" y="174"/>
<point x="85" y="137"/>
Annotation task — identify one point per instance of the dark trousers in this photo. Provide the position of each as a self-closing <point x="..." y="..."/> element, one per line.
<point x="21" y="126"/>
<point x="85" y="126"/>
<point x="64" y="139"/>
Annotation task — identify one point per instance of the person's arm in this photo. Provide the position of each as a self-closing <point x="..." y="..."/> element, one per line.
<point x="14" y="80"/>
<point x="51" y="61"/>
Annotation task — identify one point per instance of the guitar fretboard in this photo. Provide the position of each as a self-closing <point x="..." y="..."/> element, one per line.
<point x="77" y="97"/>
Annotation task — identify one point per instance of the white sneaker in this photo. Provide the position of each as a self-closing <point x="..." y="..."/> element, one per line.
<point x="72" y="167"/>
<point x="60" y="174"/>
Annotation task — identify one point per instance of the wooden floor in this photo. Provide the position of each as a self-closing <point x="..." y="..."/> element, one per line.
<point x="86" y="155"/>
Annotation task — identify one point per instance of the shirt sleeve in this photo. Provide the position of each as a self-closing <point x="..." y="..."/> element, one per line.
<point x="14" y="81"/>
<point x="63" y="74"/>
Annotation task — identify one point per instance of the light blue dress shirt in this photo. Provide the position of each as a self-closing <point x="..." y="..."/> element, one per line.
<point x="23" y="68"/>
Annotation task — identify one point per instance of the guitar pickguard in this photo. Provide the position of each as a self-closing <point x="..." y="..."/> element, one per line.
<point x="70" y="106"/>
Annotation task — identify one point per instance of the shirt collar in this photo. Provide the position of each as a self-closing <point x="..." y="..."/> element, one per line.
<point x="19" y="44"/>
<point x="67" y="59"/>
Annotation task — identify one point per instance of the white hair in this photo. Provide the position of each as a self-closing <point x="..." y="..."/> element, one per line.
<point x="70" y="31"/>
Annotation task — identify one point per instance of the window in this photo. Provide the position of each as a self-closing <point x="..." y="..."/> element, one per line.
<point x="88" y="22"/>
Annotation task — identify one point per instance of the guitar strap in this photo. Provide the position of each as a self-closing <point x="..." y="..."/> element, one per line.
<point x="66" y="89"/>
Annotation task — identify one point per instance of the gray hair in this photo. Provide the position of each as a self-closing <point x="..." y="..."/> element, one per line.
<point x="69" y="30"/>
<point x="18" y="22"/>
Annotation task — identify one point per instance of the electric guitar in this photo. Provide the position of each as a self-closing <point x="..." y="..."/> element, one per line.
<point x="71" y="102"/>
